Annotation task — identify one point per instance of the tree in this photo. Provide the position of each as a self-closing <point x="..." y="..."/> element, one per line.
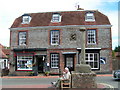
<point x="117" y="49"/>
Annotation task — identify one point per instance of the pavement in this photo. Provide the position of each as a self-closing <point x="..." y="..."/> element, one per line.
<point x="99" y="85"/>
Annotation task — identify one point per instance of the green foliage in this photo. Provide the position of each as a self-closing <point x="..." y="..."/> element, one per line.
<point x="113" y="54"/>
<point x="47" y="73"/>
<point x="117" y="49"/>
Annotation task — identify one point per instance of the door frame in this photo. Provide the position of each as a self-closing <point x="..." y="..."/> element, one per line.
<point x="39" y="57"/>
<point x="70" y="55"/>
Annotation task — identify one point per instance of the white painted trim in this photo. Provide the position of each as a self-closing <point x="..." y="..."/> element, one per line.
<point x="90" y="48"/>
<point x="68" y="52"/>
<point x="62" y="11"/>
<point x="59" y="17"/>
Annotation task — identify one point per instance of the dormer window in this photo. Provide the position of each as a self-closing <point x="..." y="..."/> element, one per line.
<point x="26" y="19"/>
<point x="56" y="18"/>
<point x="89" y="16"/>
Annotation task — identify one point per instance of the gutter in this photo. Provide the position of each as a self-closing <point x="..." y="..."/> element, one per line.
<point x="66" y="26"/>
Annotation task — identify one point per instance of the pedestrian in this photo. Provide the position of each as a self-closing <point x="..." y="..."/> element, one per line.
<point x="35" y="71"/>
<point x="65" y="76"/>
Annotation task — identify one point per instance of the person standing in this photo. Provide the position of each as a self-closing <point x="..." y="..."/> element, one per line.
<point x="35" y="70"/>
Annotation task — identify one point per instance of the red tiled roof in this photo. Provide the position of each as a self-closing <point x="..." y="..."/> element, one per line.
<point x="4" y="52"/>
<point x="68" y="18"/>
<point x="3" y="55"/>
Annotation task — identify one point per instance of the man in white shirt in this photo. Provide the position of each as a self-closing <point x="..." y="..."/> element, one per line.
<point x="66" y="75"/>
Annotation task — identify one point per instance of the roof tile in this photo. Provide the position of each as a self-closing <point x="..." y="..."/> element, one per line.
<point x="68" y="18"/>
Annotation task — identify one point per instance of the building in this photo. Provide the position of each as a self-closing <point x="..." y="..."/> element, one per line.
<point x="4" y="57"/>
<point x="53" y="40"/>
<point x="116" y="61"/>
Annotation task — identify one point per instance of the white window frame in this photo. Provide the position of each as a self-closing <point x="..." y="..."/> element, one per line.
<point x="55" y="37"/>
<point x="27" y="65"/>
<point x="91" y="36"/>
<point x="26" y="19"/>
<point x="90" y="59"/>
<point x="22" y="38"/>
<point x="54" y="60"/>
<point x="89" y="17"/>
<point x="2" y="63"/>
<point x="56" y="18"/>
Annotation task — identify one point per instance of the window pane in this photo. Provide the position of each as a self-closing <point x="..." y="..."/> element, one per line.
<point x="54" y="60"/>
<point x="24" y="63"/>
<point x="95" y="57"/>
<point x="86" y="62"/>
<point x="91" y="35"/>
<point x="95" y="65"/>
<point x="22" y="38"/>
<point x="54" y="37"/>
<point x="56" y="18"/>
<point x="91" y="64"/>
<point x="69" y="62"/>
<point x="91" y="56"/>
<point x="93" y="60"/>
<point x="89" y="17"/>
<point x="26" y="19"/>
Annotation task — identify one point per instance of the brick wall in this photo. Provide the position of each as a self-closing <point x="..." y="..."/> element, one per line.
<point x="40" y="38"/>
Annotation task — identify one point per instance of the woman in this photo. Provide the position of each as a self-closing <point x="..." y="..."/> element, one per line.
<point x="66" y="75"/>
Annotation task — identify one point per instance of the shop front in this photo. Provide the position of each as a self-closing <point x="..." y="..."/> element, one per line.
<point x="26" y="59"/>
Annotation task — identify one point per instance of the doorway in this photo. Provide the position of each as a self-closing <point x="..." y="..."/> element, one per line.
<point x="40" y="63"/>
<point x="69" y="62"/>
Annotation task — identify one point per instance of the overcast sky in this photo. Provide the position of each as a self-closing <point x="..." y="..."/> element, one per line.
<point x="11" y="9"/>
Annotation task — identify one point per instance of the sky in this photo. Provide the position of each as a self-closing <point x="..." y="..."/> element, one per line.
<point x="11" y="9"/>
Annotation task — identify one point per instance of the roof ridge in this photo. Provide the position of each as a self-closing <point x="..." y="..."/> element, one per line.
<point x="60" y="11"/>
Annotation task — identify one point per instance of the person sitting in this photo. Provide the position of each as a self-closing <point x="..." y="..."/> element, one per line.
<point x="65" y="76"/>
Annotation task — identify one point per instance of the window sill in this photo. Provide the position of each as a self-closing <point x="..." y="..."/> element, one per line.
<point x="54" y="68"/>
<point x="55" y="22"/>
<point x="22" y="45"/>
<point x="25" y="23"/>
<point x="90" y="20"/>
<point x="54" y="44"/>
<point x="91" y="44"/>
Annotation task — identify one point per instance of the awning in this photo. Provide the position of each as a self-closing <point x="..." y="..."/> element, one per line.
<point x="90" y="50"/>
<point x="69" y="53"/>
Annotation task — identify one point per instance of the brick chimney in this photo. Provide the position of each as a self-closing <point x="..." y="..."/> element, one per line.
<point x="78" y="8"/>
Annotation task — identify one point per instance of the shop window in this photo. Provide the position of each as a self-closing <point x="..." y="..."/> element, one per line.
<point x="24" y="62"/>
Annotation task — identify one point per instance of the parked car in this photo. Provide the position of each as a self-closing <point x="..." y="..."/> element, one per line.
<point x="116" y="74"/>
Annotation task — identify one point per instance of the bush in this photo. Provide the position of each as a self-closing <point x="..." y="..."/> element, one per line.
<point x="5" y="72"/>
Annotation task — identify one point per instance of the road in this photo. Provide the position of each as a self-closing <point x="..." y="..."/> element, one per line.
<point x="108" y="80"/>
<point x="47" y="81"/>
